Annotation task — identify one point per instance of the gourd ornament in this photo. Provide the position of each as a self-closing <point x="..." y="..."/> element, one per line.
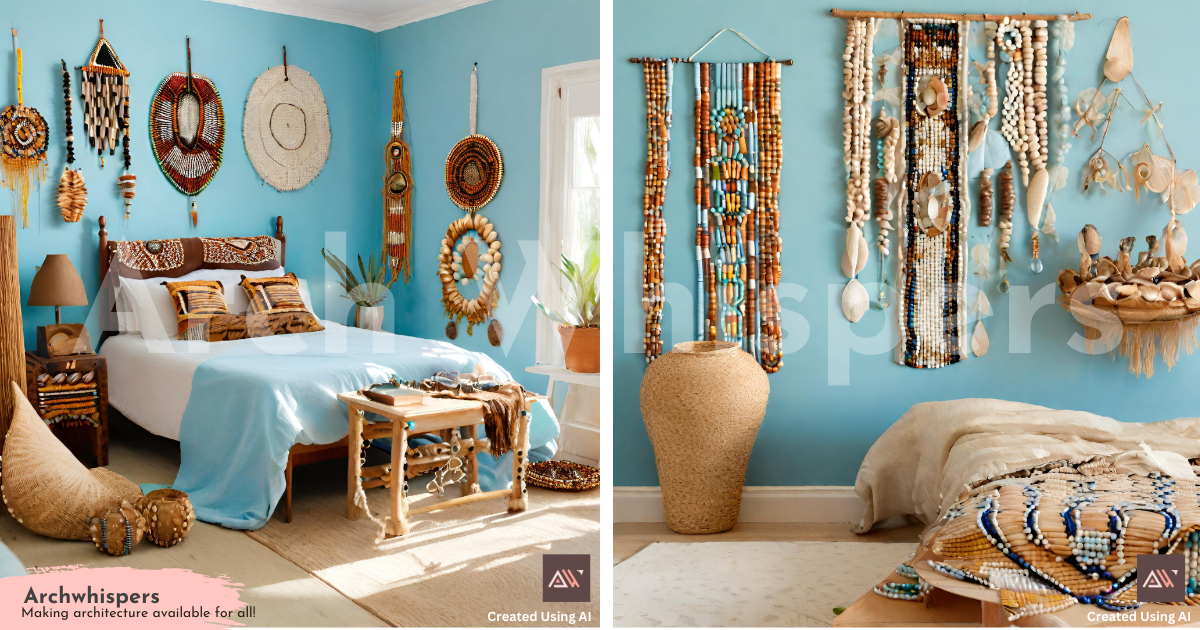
<point x="168" y="515"/>
<point x="116" y="529"/>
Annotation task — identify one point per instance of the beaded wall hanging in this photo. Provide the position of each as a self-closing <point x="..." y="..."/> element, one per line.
<point x="72" y="193"/>
<point x="660" y="78"/>
<point x="933" y="226"/>
<point x="397" y="192"/>
<point x="187" y="130"/>
<point x="24" y="138"/>
<point x="856" y="123"/>
<point x="104" y="88"/>
<point x="474" y="167"/>
<point x="738" y="156"/>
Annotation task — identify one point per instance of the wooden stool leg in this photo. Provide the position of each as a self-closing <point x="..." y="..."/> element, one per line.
<point x="470" y="484"/>
<point x="397" y="523"/>
<point x="993" y="615"/>
<point x="356" y="499"/>
<point x="518" y="500"/>
<point x="287" y="494"/>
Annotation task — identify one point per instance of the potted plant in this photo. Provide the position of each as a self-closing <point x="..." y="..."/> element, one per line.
<point x="367" y="295"/>
<point x="579" y="322"/>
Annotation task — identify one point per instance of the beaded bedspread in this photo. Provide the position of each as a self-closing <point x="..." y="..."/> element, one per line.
<point x="933" y="207"/>
<point x="1060" y="534"/>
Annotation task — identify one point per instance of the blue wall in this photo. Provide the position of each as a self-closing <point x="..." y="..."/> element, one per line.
<point x="816" y="433"/>
<point x="512" y="40"/>
<point x="231" y="46"/>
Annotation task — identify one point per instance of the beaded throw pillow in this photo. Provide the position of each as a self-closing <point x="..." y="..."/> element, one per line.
<point x="274" y="295"/>
<point x="196" y="301"/>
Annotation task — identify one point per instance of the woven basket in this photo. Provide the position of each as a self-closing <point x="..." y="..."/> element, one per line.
<point x="703" y="403"/>
<point x="45" y="488"/>
<point x="562" y="475"/>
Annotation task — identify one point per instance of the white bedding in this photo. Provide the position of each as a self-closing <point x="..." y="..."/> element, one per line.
<point x="150" y="381"/>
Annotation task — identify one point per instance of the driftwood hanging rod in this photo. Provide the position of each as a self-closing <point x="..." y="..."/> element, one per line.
<point x="786" y="62"/>
<point x="970" y="17"/>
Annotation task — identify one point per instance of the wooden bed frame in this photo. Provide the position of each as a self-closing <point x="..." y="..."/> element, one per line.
<point x="301" y="454"/>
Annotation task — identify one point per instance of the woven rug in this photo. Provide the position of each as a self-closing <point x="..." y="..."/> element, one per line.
<point x="748" y="584"/>
<point x="455" y="567"/>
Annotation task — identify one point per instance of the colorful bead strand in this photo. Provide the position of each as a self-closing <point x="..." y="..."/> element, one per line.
<point x="659" y="76"/>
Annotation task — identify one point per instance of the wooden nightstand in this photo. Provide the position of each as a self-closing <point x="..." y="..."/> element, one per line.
<point x="76" y="406"/>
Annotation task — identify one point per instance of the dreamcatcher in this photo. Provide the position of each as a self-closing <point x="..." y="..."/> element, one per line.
<point x="474" y="167"/>
<point x="24" y="138"/>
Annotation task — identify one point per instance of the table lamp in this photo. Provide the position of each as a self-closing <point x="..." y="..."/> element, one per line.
<point x="57" y="284"/>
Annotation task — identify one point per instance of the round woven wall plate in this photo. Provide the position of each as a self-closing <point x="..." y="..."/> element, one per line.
<point x="23" y="133"/>
<point x="286" y="127"/>
<point x="189" y="168"/>
<point x="562" y="475"/>
<point x="474" y="169"/>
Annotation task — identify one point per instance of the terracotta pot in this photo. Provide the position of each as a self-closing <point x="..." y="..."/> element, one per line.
<point x="702" y="404"/>
<point x="581" y="348"/>
<point x="369" y="317"/>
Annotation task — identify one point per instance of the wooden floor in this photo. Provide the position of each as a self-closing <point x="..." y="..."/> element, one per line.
<point x="630" y="538"/>
<point x="284" y="594"/>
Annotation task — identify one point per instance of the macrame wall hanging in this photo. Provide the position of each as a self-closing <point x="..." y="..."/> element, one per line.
<point x="187" y="130"/>
<point x="738" y="153"/>
<point x="470" y="252"/>
<point x="24" y="137"/>
<point x="286" y="127"/>
<point x="72" y="193"/>
<point x="397" y="192"/>
<point x="104" y="87"/>
<point x="474" y="167"/>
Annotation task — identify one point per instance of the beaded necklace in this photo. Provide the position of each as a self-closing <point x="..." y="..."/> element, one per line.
<point x="856" y="125"/>
<point x="659" y="76"/>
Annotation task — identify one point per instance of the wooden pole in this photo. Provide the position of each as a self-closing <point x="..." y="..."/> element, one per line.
<point x="12" y="337"/>
<point x="397" y="523"/>
<point x="470" y="498"/>
<point x="786" y="62"/>
<point x="517" y="501"/>
<point x="970" y="17"/>
<point x="354" y="485"/>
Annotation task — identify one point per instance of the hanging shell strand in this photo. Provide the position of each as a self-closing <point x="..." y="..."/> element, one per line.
<point x="72" y="194"/>
<point x="856" y="124"/>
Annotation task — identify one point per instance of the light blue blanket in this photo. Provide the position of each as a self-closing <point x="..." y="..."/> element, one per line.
<point x="250" y="404"/>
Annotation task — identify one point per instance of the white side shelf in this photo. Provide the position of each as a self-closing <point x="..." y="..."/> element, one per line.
<point x="564" y="375"/>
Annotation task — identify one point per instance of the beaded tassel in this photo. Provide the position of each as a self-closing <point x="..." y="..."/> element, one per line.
<point x="856" y="147"/>
<point x="768" y="128"/>
<point x="933" y="256"/>
<point x="659" y="76"/>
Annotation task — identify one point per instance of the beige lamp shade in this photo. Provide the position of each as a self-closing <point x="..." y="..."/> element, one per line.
<point x="57" y="284"/>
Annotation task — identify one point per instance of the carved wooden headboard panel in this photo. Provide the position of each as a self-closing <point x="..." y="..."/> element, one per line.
<point x="172" y="258"/>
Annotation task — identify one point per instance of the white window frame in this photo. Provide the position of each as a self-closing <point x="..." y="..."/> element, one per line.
<point x="556" y="141"/>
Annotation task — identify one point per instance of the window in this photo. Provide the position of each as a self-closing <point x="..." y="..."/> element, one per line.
<point x="571" y="185"/>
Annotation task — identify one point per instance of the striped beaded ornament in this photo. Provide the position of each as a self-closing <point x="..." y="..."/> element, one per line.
<point x="660" y="77"/>
<point x="738" y="153"/>
<point x="932" y="221"/>
<point x="187" y="130"/>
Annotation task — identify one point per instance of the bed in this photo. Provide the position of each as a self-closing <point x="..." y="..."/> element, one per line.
<point x="1038" y="510"/>
<point x="247" y="411"/>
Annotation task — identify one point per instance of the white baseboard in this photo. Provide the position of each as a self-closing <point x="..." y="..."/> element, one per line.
<point x="760" y="504"/>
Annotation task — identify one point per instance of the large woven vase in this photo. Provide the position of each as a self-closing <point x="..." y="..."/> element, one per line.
<point x="703" y="403"/>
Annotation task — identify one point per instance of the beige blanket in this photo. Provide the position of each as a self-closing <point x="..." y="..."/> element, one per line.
<point x="937" y="449"/>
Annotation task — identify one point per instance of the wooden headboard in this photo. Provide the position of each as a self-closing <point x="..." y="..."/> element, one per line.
<point x="105" y="297"/>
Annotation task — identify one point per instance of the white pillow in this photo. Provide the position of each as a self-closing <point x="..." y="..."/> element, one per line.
<point x="153" y="312"/>
<point x="306" y="297"/>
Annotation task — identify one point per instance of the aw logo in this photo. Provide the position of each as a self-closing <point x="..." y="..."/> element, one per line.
<point x="1160" y="578"/>
<point x="566" y="577"/>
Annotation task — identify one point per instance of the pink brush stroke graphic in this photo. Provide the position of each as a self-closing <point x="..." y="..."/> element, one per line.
<point x="178" y="591"/>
